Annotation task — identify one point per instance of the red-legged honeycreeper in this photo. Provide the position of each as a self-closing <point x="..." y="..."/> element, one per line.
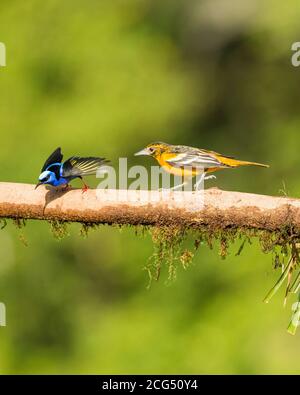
<point x="58" y="173"/>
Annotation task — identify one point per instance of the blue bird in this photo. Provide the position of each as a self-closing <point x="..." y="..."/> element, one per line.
<point x="58" y="173"/>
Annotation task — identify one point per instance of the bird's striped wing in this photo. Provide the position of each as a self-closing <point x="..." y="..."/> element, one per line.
<point x="55" y="157"/>
<point x="196" y="159"/>
<point x="77" y="167"/>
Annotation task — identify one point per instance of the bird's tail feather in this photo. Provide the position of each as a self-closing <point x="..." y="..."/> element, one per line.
<point x="231" y="162"/>
<point x="246" y="163"/>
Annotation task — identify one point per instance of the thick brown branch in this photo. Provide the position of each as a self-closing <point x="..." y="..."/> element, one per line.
<point x="221" y="209"/>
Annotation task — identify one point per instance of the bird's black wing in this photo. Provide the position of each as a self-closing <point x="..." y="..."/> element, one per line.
<point x="55" y="168"/>
<point x="55" y="157"/>
<point x="77" y="167"/>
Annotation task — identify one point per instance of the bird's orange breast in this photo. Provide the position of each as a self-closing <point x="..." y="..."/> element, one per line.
<point x="176" y="171"/>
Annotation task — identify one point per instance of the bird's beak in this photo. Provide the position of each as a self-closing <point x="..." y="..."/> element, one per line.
<point x="37" y="185"/>
<point x="142" y="152"/>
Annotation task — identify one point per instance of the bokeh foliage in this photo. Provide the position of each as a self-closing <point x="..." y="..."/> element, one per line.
<point x="105" y="78"/>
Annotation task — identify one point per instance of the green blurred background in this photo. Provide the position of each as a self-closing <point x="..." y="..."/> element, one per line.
<point x="106" y="78"/>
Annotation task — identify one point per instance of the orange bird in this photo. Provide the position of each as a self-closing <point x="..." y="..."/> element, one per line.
<point x="185" y="161"/>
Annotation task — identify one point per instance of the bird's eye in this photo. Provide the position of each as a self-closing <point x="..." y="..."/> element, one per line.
<point x="151" y="150"/>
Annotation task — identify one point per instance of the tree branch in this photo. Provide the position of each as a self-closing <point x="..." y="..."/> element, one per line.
<point x="222" y="209"/>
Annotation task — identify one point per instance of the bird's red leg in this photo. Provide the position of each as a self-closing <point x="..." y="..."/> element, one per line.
<point x="85" y="187"/>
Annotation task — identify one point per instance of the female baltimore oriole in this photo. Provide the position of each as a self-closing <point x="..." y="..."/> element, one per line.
<point x="185" y="161"/>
